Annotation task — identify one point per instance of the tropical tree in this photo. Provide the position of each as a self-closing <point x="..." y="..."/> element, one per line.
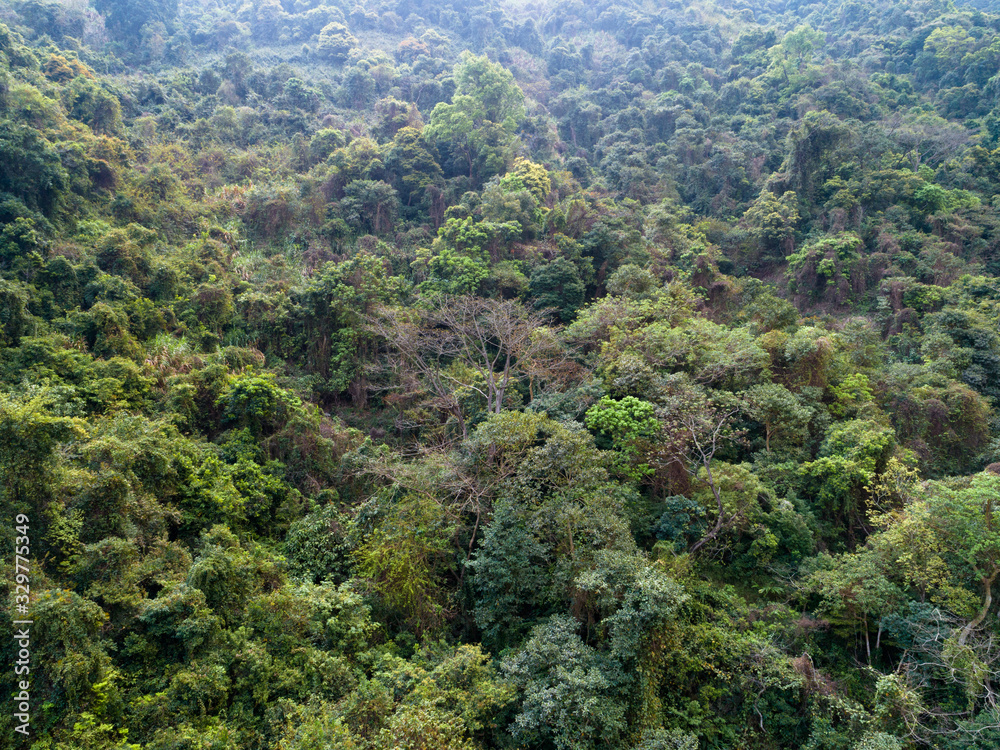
<point x="477" y="127"/>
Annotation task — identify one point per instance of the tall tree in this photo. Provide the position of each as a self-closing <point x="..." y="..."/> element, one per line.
<point x="125" y="18"/>
<point x="477" y="127"/>
<point x="462" y="343"/>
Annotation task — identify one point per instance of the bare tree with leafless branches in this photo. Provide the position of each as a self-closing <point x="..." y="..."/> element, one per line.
<point x="471" y="344"/>
<point x="694" y="429"/>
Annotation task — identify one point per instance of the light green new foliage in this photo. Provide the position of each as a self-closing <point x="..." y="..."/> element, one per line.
<point x="855" y="591"/>
<point x="630" y="424"/>
<point x="482" y="116"/>
<point x="800" y="43"/>
<point x="495" y="97"/>
<point x="850" y="460"/>
<point x="462" y="682"/>
<point x="772" y="220"/>
<point x="967" y="515"/>
<point x="853" y="393"/>
<point x="878" y="741"/>
<point x="971" y="514"/>
<point x="404" y="557"/>
<point x="667" y="739"/>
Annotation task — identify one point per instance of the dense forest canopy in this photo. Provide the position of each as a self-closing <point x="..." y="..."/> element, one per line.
<point x="461" y="375"/>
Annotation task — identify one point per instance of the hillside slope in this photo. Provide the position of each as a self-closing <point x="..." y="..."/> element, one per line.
<point x="501" y="374"/>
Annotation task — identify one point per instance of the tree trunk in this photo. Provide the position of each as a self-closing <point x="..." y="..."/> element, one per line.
<point x="868" y="645"/>
<point x="987" y="602"/>
<point x="719" y="519"/>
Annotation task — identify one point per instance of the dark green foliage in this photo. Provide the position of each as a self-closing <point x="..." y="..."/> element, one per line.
<point x="125" y="18"/>
<point x="413" y="164"/>
<point x="508" y="579"/>
<point x="557" y="286"/>
<point x="316" y="545"/>
<point x="369" y="207"/>
<point x="30" y="168"/>
<point x="335" y="41"/>
<point x="15" y="320"/>
<point x="682" y="522"/>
